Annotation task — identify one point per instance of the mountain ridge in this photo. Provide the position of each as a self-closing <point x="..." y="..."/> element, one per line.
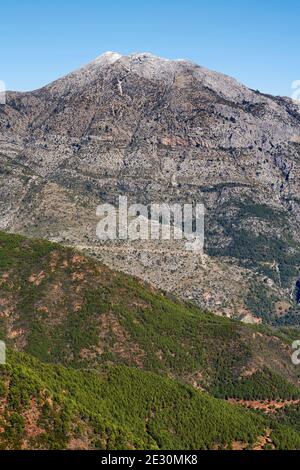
<point x="110" y="57"/>
<point x="66" y="308"/>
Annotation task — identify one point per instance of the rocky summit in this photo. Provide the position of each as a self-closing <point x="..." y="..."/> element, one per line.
<point x="158" y="130"/>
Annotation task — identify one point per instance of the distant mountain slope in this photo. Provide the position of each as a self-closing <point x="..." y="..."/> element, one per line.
<point x="50" y="407"/>
<point x="63" y="307"/>
<point x="163" y="131"/>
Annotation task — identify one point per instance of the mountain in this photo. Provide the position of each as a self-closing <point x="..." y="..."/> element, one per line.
<point x="86" y="344"/>
<point x="157" y="130"/>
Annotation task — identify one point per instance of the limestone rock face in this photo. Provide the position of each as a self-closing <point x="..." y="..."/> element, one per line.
<point x="158" y="130"/>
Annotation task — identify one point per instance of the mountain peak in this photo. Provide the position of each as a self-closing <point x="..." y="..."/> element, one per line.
<point x="109" y="57"/>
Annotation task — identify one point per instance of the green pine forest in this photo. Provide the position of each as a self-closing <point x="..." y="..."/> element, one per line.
<point x="100" y="360"/>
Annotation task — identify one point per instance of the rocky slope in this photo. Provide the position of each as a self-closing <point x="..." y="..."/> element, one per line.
<point x="163" y="131"/>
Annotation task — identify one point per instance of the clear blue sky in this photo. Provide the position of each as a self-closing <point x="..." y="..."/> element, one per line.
<point x="257" y="42"/>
